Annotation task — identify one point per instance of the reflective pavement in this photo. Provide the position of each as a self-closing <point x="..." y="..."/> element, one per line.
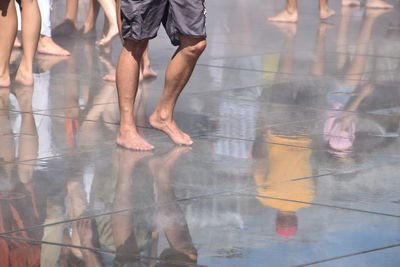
<point x="295" y="160"/>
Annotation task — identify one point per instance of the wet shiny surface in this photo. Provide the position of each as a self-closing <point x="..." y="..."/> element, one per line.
<point x="295" y="160"/>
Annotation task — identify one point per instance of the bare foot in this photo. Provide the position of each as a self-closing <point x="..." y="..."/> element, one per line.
<point x="24" y="77"/>
<point x="169" y="127"/>
<point x="288" y="29"/>
<point x="148" y="73"/>
<point x="161" y="165"/>
<point x="284" y="16"/>
<point x="130" y="139"/>
<point x="326" y="13"/>
<point x="46" y="62"/>
<point x="47" y="46"/>
<point x="351" y="3"/>
<point x="373" y="13"/>
<point x="111" y="34"/>
<point x="5" y="80"/>
<point x="17" y="43"/>
<point x="378" y="4"/>
<point x="109" y="77"/>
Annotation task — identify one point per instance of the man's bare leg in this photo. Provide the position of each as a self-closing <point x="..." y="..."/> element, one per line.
<point x="324" y="10"/>
<point x="8" y="32"/>
<point x="178" y="72"/>
<point x="31" y="21"/>
<point x="127" y="78"/>
<point x="378" y="4"/>
<point x="289" y="14"/>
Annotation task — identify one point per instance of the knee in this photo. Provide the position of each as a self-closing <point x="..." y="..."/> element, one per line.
<point x="195" y="48"/>
<point x="136" y="48"/>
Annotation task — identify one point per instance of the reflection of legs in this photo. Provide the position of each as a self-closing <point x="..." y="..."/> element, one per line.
<point x="286" y="56"/>
<point x="170" y="215"/>
<point x="127" y="84"/>
<point x="351" y="3"/>
<point x="122" y="222"/>
<point x="378" y="4"/>
<point x="111" y="14"/>
<point x="324" y="10"/>
<point x="28" y="141"/>
<point x="356" y="69"/>
<point x="7" y="151"/>
<point x="289" y="14"/>
<point x="318" y="67"/>
<point x="177" y="75"/>
<point x="341" y="41"/>
<point x="30" y="36"/>
<point x="8" y="32"/>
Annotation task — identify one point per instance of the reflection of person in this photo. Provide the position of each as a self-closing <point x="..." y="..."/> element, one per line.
<point x="290" y="13"/>
<point x="30" y="37"/>
<point x="339" y="128"/>
<point x="369" y="3"/>
<point x="286" y="158"/>
<point x="136" y="233"/>
<point x="19" y="202"/>
<point x="188" y="31"/>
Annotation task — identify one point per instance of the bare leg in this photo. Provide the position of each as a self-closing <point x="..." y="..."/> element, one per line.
<point x="30" y="37"/>
<point x="90" y="22"/>
<point x="289" y="14"/>
<point x="8" y="32"/>
<point x="324" y="10"/>
<point x="127" y="77"/>
<point x="67" y="27"/>
<point x="146" y="71"/>
<point x="111" y="14"/>
<point x="378" y="4"/>
<point x="177" y="75"/>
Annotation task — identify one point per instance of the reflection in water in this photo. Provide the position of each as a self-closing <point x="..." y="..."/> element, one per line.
<point x="20" y="205"/>
<point x="150" y="209"/>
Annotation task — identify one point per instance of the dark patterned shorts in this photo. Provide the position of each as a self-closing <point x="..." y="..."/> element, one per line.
<point x="141" y="19"/>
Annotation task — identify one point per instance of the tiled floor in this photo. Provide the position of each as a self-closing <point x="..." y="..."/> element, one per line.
<point x="265" y="183"/>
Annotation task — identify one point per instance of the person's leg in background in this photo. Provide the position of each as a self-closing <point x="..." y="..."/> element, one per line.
<point x="8" y="31"/>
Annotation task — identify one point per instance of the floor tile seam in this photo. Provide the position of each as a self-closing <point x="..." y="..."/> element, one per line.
<point x="304" y="107"/>
<point x="350" y="255"/>
<point x="292" y="73"/>
<point x="366" y="55"/>
<point x="205" y="93"/>
<point x="77" y="106"/>
<point x="325" y="205"/>
<point x="60" y="155"/>
<point x="98" y="250"/>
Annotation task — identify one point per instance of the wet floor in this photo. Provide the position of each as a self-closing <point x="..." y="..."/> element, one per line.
<point x="295" y="160"/>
